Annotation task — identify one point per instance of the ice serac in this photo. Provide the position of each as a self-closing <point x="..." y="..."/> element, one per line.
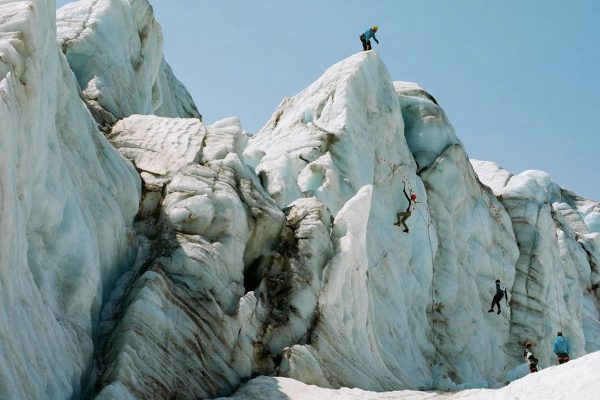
<point x="335" y="139"/>
<point x="188" y="325"/>
<point x="67" y="201"/>
<point x="410" y="310"/>
<point x="114" y="48"/>
<point x="476" y="247"/>
<point x="557" y="274"/>
<point x="271" y="255"/>
<point x="396" y="309"/>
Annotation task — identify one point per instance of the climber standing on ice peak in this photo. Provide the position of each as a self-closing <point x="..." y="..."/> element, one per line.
<point x="366" y="37"/>
<point x="403" y="216"/>
<point x="500" y="293"/>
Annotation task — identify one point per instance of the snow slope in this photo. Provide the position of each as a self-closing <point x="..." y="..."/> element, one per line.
<point x="575" y="380"/>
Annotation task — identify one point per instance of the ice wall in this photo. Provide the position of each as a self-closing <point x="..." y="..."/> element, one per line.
<point x="557" y="275"/>
<point x="271" y="255"/>
<point x="67" y="200"/>
<point x="114" y="48"/>
<point x="476" y="247"/>
<point x="396" y="305"/>
<point x="187" y="327"/>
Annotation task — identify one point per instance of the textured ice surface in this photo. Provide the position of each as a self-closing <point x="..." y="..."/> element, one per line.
<point x="188" y="309"/>
<point x="404" y="303"/>
<point x="556" y="283"/>
<point x="67" y="200"/>
<point x="114" y="48"/>
<point x="271" y="255"/>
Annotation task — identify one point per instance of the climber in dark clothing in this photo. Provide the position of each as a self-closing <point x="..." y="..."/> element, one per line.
<point x="500" y="293"/>
<point x="366" y="37"/>
<point x="530" y="358"/>
<point x="404" y="215"/>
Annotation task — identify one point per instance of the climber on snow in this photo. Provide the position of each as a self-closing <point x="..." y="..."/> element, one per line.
<point x="530" y="358"/>
<point x="561" y="348"/>
<point x="500" y="293"/>
<point x="366" y="37"/>
<point x="404" y="215"/>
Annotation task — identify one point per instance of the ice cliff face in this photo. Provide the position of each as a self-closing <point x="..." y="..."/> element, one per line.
<point x="67" y="201"/>
<point x="557" y="274"/>
<point x="198" y="257"/>
<point x="113" y="47"/>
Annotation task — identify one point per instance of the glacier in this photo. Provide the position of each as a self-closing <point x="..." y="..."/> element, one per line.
<point x="148" y="254"/>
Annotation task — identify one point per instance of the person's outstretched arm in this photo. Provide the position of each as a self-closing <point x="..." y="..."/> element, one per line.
<point x="406" y="195"/>
<point x="374" y="38"/>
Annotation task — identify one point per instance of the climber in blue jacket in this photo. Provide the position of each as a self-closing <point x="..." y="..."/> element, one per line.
<point x="366" y="37"/>
<point x="561" y="348"/>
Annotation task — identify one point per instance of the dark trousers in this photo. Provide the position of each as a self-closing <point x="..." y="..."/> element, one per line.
<point x="496" y="300"/>
<point x="562" y="358"/>
<point x="366" y="43"/>
<point x="533" y="367"/>
<point x="401" y="219"/>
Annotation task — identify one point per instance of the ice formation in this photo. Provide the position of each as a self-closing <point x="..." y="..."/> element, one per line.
<point x="114" y="48"/>
<point x="150" y="255"/>
<point x="67" y="200"/>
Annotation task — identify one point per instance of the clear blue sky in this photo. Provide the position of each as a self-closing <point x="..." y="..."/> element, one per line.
<point x="519" y="80"/>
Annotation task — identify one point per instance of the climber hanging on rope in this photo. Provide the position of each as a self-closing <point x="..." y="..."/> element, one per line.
<point x="500" y="293"/>
<point x="404" y="215"/>
<point x="366" y="37"/>
<point x="530" y="358"/>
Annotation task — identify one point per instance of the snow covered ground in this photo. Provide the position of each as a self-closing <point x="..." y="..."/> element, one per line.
<point x="168" y="258"/>
<point x="577" y="379"/>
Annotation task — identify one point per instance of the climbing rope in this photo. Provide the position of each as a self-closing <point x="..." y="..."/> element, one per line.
<point x="394" y="168"/>
<point x="428" y="223"/>
<point x="397" y="168"/>
<point x="556" y="287"/>
<point x="487" y="240"/>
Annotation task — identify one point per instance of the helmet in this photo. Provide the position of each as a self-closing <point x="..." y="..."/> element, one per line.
<point x="528" y="344"/>
<point x="375" y="28"/>
<point x="413" y="197"/>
